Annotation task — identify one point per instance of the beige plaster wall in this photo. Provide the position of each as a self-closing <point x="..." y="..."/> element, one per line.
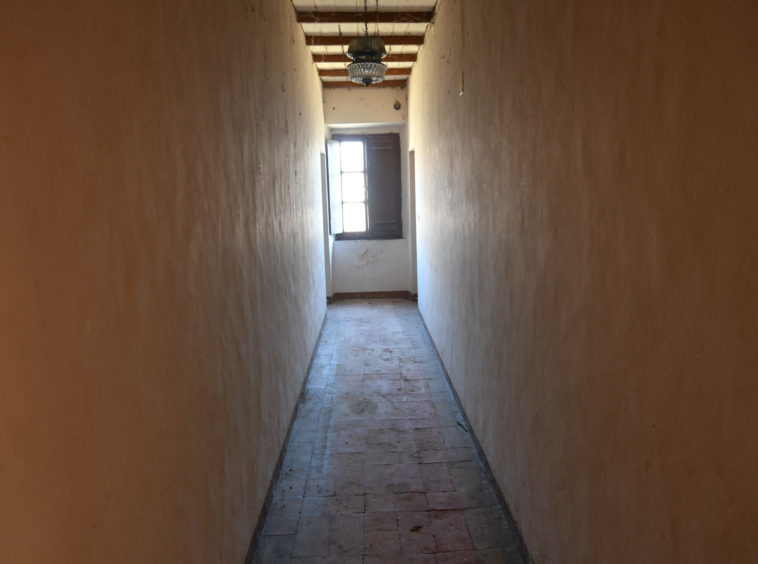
<point x="365" y="105"/>
<point x="161" y="272"/>
<point x="587" y="265"/>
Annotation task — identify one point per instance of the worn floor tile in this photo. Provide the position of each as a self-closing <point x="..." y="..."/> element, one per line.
<point x="312" y="537"/>
<point x="399" y="559"/>
<point x="320" y="484"/>
<point x="450" y="532"/>
<point x="385" y="521"/>
<point x="382" y="542"/>
<point x="331" y="505"/>
<point x="461" y="499"/>
<point x="329" y="560"/>
<point x="285" y="513"/>
<point x="473" y="557"/>
<point x="396" y="502"/>
<point x="347" y="536"/>
<point x="291" y="483"/>
<point x="380" y="467"/>
<point x="485" y="527"/>
<point x="467" y="475"/>
<point x="276" y="549"/>
<point x="435" y="477"/>
<point x="416" y="533"/>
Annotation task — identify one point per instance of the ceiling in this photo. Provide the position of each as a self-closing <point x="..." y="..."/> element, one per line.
<point x="330" y="24"/>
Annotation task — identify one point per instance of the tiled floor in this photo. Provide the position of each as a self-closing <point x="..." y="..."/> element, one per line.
<point x="379" y="467"/>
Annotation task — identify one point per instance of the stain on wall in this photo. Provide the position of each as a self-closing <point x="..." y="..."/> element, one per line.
<point x="587" y="265"/>
<point x="161" y="279"/>
<point x="371" y="266"/>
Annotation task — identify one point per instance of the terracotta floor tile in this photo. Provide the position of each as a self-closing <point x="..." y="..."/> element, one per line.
<point x="329" y="560"/>
<point x="377" y="440"/>
<point x="436" y="478"/>
<point x="425" y="423"/>
<point x="379" y="479"/>
<point x="396" y="502"/>
<point x="285" y="513"/>
<point x="347" y="537"/>
<point x="448" y="455"/>
<point x="473" y="557"/>
<point x="407" y="478"/>
<point x="377" y="458"/>
<point x="450" y="532"/>
<point x="312" y="537"/>
<point x="416" y="533"/>
<point x="291" y="483"/>
<point x="333" y="504"/>
<point x="420" y="409"/>
<point x="380" y="468"/>
<point x="297" y="456"/>
<point x="401" y="439"/>
<point x="427" y="439"/>
<point x="275" y="549"/>
<point x="382" y="542"/>
<point x="485" y="525"/>
<point x="350" y="480"/>
<point x="399" y="559"/>
<point x="385" y="521"/>
<point x="468" y="475"/>
<point x="467" y="499"/>
<point x="320" y="485"/>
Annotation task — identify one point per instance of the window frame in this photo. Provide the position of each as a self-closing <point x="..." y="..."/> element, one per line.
<point x="369" y="234"/>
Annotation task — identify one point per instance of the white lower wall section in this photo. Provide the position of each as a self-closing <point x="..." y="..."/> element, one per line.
<point x="371" y="266"/>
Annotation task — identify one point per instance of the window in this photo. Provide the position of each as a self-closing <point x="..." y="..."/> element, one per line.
<point x="354" y="192"/>
<point x="364" y="186"/>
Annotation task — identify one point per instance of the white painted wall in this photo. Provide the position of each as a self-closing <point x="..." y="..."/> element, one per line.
<point x="371" y="266"/>
<point x="378" y="265"/>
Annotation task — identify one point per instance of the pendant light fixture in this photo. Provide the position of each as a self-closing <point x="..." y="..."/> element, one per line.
<point x="367" y="53"/>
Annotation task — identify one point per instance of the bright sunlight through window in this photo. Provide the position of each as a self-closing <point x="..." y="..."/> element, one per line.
<point x="353" y="186"/>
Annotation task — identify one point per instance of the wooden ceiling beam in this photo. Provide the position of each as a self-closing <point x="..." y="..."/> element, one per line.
<point x="406" y="58"/>
<point x="359" y="18"/>
<point x="343" y="72"/>
<point x="323" y="40"/>
<point x="348" y="84"/>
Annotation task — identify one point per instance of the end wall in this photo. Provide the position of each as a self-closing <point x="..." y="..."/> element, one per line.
<point x="587" y="264"/>
<point x="161" y="272"/>
<point x="381" y="265"/>
<point x="365" y="105"/>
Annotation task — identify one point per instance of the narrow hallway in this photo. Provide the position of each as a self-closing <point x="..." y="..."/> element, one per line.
<point x="379" y="466"/>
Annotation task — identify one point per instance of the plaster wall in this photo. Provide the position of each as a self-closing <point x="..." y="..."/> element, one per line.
<point x="371" y="266"/>
<point x="587" y="264"/>
<point x="161" y="272"/>
<point x="365" y="105"/>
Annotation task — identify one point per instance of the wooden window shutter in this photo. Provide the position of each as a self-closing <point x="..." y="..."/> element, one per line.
<point x="384" y="200"/>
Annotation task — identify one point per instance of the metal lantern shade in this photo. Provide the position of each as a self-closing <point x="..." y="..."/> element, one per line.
<point x="367" y="53"/>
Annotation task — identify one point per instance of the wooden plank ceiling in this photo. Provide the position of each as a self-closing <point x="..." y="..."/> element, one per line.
<point x="330" y="24"/>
